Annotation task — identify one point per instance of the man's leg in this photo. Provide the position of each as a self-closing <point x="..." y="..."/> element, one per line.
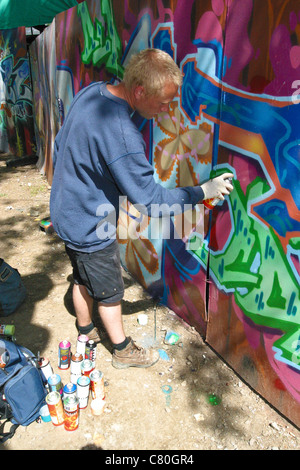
<point x="83" y="305"/>
<point x="111" y="316"/>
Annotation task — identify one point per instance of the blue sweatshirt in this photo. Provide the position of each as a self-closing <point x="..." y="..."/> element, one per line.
<point x="99" y="156"/>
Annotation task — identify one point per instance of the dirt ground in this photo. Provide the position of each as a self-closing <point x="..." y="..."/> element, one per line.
<point x="162" y="408"/>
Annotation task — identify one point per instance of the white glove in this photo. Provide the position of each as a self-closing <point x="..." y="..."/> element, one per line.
<point x="217" y="187"/>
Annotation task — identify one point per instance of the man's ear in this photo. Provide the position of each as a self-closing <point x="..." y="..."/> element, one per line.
<point x="139" y="92"/>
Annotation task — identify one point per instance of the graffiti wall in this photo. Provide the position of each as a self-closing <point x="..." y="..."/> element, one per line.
<point x="16" y="108"/>
<point x="260" y="140"/>
<point x="232" y="272"/>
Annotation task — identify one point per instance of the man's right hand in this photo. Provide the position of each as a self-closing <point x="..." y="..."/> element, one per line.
<point x="218" y="186"/>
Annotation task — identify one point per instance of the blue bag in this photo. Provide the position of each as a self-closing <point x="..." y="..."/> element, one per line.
<point x="22" y="387"/>
<point x="12" y="289"/>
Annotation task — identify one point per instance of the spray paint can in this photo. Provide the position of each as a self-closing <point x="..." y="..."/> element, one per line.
<point x="81" y="342"/>
<point x="97" y="384"/>
<point x="211" y="203"/>
<point x="4" y="357"/>
<point x="69" y="390"/>
<point x="71" y="412"/>
<point x="7" y="330"/>
<point x="46" y="225"/>
<point x="83" y="390"/>
<point x="90" y="351"/>
<point x="76" y="361"/>
<point x="64" y="354"/>
<point x="56" y="410"/>
<point x="54" y="382"/>
<point x="86" y="367"/>
<point x="45" y="367"/>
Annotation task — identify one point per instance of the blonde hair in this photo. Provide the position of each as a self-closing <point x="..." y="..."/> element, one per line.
<point x="151" y="68"/>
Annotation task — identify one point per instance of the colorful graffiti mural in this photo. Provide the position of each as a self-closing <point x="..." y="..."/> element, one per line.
<point x="232" y="272"/>
<point x="16" y="107"/>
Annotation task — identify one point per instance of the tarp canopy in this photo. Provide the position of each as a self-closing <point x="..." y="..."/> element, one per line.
<point x="15" y="13"/>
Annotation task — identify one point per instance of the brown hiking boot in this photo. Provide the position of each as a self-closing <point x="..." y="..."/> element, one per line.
<point x="94" y="335"/>
<point x="134" y="356"/>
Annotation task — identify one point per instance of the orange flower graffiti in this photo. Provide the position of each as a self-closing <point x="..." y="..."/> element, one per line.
<point x="181" y="147"/>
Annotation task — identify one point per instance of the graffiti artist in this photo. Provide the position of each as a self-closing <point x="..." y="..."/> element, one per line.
<point x="100" y="155"/>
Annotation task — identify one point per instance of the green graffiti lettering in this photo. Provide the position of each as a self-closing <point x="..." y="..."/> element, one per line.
<point x="102" y="44"/>
<point x="254" y="266"/>
<point x="275" y="299"/>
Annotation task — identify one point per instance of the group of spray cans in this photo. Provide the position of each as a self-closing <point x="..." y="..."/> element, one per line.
<point x="65" y="402"/>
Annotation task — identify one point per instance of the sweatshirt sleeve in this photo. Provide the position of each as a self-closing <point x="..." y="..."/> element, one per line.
<point x="133" y="175"/>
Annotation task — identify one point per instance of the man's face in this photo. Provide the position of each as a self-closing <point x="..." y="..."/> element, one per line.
<point x="150" y="106"/>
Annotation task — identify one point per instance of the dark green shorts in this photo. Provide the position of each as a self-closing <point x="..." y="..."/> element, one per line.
<point x="100" y="272"/>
